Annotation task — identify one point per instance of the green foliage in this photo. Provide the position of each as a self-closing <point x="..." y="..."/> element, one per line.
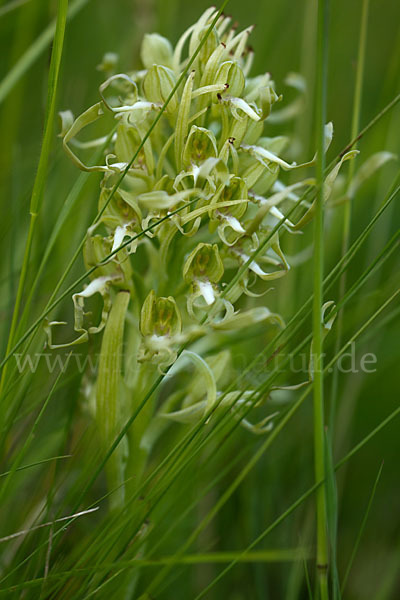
<point x="159" y="443"/>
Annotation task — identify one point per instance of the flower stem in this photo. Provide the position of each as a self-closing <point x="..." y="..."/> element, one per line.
<point x="319" y="443"/>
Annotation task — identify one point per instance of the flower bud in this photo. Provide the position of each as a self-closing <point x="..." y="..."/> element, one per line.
<point x="229" y="72"/>
<point x="156" y="50"/>
<point x="209" y="46"/>
<point x="109" y="63"/>
<point x="253" y="131"/>
<point x="157" y="86"/>
<point x="160" y="316"/>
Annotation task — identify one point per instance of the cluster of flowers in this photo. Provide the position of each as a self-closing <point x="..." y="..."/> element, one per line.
<point x="207" y="165"/>
<point x="189" y="202"/>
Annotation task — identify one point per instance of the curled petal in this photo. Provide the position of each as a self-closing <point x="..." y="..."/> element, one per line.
<point x="263" y="426"/>
<point x="119" y="77"/>
<point x="97" y="286"/>
<point x="240" y="104"/>
<point x="248" y="318"/>
<point x="328" y="186"/>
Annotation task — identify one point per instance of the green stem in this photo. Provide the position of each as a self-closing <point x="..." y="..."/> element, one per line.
<point x="319" y="440"/>
<point x="40" y="179"/>
<point x="109" y="400"/>
<point x="10" y="127"/>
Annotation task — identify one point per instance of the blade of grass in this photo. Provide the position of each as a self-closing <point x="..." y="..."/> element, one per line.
<point x="389" y="248"/>
<point x="12" y="5"/>
<point x="348" y="205"/>
<point x="10" y="122"/>
<point x="361" y="530"/>
<point x="262" y="387"/>
<point x="25" y="531"/>
<point x="262" y="556"/>
<point x="371" y="124"/>
<point x="37" y="463"/>
<point x="389" y="581"/>
<point x="40" y="179"/>
<point x="34" y="51"/>
<point x="295" y="407"/>
<point x="319" y="447"/>
<point x="338" y="465"/>
<point x="332" y="512"/>
<point x="388" y="419"/>
<point x="297" y="503"/>
<point x="254" y="459"/>
<point x="29" y="438"/>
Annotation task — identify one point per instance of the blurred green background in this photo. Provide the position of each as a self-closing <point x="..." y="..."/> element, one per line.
<point x="284" y="41"/>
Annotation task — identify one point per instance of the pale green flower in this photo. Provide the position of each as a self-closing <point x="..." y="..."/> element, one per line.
<point x="160" y="326"/>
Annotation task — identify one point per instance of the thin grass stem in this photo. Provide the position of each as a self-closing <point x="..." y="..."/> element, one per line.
<point x="348" y="205"/>
<point x="41" y="174"/>
<point x="319" y="444"/>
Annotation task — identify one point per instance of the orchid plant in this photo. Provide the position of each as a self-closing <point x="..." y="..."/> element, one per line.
<point x="183" y="249"/>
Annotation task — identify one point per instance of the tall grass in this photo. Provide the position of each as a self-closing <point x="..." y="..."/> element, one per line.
<point x="318" y="267"/>
<point x="305" y="509"/>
